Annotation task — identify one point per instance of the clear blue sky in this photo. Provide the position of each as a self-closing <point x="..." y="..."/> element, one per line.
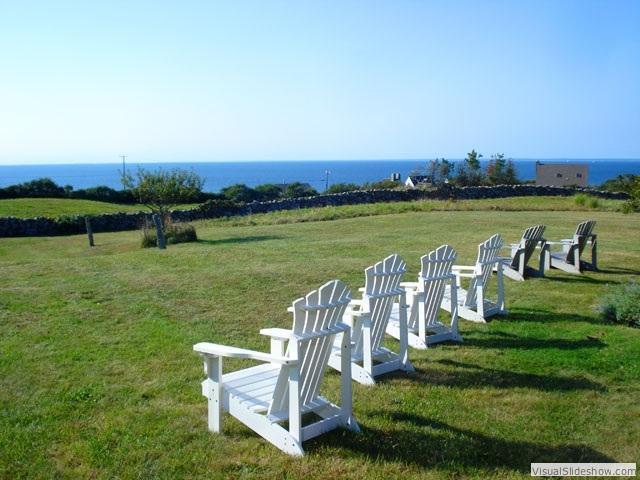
<point x="85" y="81"/>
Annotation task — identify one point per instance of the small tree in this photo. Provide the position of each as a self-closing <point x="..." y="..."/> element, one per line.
<point x="445" y="170"/>
<point x="496" y="169"/>
<point x="162" y="190"/>
<point x="343" y="187"/>
<point x="297" y="189"/>
<point x="633" y="204"/>
<point x="239" y="193"/>
<point x="268" y="191"/>
<point x="470" y="172"/>
<point x="501" y="171"/>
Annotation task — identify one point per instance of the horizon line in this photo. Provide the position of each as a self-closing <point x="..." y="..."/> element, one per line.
<point x="142" y="162"/>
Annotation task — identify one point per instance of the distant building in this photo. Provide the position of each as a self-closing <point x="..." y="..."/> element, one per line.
<point x="562" y="174"/>
<point x="413" y="181"/>
<point x="395" y="177"/>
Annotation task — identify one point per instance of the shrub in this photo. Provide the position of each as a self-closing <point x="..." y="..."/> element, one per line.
<point x="621" y="304"/>
<point x="174" y="233"/>
<point x="585" y="200"/>
<point x="267" y="192"/>
<point x="622" y="183"/>
<point x="382" y="184"/>
<point x="633" y="204"/>
<point x="298" y="190"/>
<point x="580" y="199"/>
<point x="343" y="187"/>
<point x="239" y="193"/>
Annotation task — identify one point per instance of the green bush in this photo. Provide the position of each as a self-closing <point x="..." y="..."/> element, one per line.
<point x="174" y="233"/>
<point x="580" y="199"/>
<point x="621" y="304"/>
<point x="633" y="204"/>
<point x="585" y="200"/>
<point x="342" y="187"/>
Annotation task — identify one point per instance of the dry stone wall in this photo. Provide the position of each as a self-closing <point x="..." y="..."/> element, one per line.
<point x="114" y="222"/>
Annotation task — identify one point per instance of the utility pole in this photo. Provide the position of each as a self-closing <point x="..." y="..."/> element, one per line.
<point x="124" y="171"/>
<point x="326" y="180"/>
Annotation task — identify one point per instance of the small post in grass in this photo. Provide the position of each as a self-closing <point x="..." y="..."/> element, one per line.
<point x="162" y="244"/>
<point x="87" y="223"/>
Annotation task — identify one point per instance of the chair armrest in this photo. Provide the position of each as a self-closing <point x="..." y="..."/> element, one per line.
<point x="463" y="267"/>
<point x="217" y="350"/>
<point x="277" y="333"/>
<point x="561" y="242"/>
<point x="510" y="245"/>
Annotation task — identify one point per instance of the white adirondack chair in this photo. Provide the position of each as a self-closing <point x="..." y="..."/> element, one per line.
<point x="515" y="266"/>
<point x="569" y="259"/>
<point x="424" y="299"/>
<point x="473" y="303"/>
<point x="288" y="384"/>
<point x="368" y="319"/>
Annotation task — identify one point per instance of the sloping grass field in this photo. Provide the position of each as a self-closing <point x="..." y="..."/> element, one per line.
<point x="98" y="377"/>
<point x="58" y="207"/>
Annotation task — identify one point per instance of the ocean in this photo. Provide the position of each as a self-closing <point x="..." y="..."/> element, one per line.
<point x="221" y="174"/>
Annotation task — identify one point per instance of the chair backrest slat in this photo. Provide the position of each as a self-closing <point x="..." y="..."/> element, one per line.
<point x="381" y="288"/>
<point x="434" y="276"/>
<point x="583" y="230"/>
<point x="318" y="311"/>
<point x="530" y="239"/>
<point x="488" y="252"/>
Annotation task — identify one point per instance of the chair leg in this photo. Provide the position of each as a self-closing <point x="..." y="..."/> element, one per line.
<point x="455" y="332"/>
<point x="295" y="417"/>
<point x="214" y="377"/>
<point x="346" y="400"/>
<point x="404" y="348"/>
<point x="501" y="302"/>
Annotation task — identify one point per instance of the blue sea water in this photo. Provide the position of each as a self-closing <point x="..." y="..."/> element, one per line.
<point x="220" y="174"/>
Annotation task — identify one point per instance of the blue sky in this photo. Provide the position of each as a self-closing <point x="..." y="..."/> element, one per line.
<point x="208" y="81"/>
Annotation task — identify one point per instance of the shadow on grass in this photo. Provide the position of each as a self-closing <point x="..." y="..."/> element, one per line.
<point x="507" y="340"/>
<point x="417" y="440"/>
<point x="583" y="279"/>
<point x="255" y="238"/>
<point x="467" y="375"/>
<point x="619" y="271"/>
<point x="544" y="316"/>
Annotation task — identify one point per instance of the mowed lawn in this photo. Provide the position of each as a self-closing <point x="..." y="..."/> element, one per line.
<point x="58" y="207"/>
<point x="99" y="379"/>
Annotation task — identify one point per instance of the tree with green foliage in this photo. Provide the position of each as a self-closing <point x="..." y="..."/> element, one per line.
<point x="343" y="187"/>
<point x="41" y="187"/>
<point x="501" y="171"/>
<point x="438" y="170"/>
<point x="239" y="193"/>
<point x="633" y="204"/>
<point x="621" y="183"/>
<point x="297" y="189"/>
<point x="161" y="190"/>
<point x="267" y="192"/>
<point x="469" y="171"/>
<point x="382" y="185"/>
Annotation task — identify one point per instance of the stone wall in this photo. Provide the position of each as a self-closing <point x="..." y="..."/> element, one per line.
<point x="114" y="222"/>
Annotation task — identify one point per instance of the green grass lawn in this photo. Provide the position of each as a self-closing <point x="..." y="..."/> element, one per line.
<point x="58" y="207"/>
<point x="99" y="379"/>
